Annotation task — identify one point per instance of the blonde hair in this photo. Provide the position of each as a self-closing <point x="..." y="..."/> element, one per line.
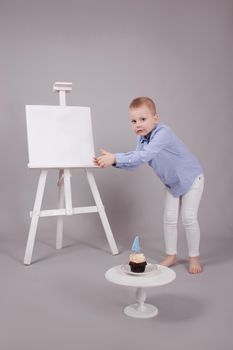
<point x="140" y="101"/>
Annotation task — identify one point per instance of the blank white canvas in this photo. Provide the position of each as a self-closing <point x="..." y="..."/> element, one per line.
<point x="59" y="136"/>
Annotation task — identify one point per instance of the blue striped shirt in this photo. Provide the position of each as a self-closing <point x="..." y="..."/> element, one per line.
<point x="170" y="159"/>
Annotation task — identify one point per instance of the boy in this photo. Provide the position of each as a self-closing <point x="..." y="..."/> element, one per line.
<point x="177" y="168"/>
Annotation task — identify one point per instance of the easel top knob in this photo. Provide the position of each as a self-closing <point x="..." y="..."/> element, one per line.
<point x="62" y="86"/>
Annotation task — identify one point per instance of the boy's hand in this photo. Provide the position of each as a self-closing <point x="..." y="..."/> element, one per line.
<point x="105" y="160"/>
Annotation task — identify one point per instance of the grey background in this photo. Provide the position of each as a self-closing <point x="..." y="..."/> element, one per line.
<point x="180" y="54"/>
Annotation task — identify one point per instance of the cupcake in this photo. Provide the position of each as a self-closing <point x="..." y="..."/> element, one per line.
<point x="137" y="260"/>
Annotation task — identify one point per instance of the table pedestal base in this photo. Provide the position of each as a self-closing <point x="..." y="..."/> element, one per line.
<point x="134" y="310"/>
<point x="140" y="309"/>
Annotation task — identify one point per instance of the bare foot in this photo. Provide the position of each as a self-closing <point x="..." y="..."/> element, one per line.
<point x="169" y="260"/>
<point x="194" y="265"/>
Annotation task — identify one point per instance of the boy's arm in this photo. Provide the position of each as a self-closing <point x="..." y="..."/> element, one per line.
<point x="107" y="159"/>
<point x="133" y="159"/>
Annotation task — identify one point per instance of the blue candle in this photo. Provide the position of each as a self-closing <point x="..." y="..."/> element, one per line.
<point x="136" y="246"/>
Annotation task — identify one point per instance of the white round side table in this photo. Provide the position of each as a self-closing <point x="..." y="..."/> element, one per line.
<point x="163" y="275"/>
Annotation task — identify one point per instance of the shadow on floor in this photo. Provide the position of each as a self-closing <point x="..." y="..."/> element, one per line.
<point x="175" y="308"/>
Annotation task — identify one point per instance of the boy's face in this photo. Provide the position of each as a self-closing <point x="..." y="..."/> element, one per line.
<point x="142" y="120"/>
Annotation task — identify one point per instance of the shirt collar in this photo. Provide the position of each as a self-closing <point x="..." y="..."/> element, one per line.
<point x="146" y="138"/>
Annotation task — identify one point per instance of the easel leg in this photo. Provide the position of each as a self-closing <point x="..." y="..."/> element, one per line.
<point x="67" y="188"/>
<point x="102" y="213"/>
<point x="35" y="218"/>
<point x="61" y="204"/>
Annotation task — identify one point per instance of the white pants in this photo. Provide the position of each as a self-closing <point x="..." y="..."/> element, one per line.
<point x="188" y="205"/>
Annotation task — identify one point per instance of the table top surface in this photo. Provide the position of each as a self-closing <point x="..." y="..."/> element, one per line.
<point x="161" y="276"/>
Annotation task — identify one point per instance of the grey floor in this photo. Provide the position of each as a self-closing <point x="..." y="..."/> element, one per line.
<point x="62" y="301"/>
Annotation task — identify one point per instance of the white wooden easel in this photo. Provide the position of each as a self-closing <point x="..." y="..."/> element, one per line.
<point x="65" y="199"/>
